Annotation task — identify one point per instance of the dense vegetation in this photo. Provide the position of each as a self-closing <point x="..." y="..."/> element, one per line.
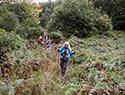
<point x="79" y="17"/>
<point x="27" y="68"/>
<point x="115" y="9"/>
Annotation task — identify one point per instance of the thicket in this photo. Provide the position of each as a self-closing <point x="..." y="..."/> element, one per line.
<point x="9" y="42"/>
<point x="80" y="18"/>
<point x="56" y="36"/>
<point x="21" y="17"/>
<point x="8" y="21"/>
<point x="44" y="16"/>
<point x="47" y="10"/>
<point x="18" y="21"/>
<point x="115" y="9"/>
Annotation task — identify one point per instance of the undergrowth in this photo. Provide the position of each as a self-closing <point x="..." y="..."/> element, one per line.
<point x="97" y="68"/>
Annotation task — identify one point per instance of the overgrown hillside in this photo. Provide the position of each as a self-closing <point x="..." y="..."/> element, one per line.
<point x="29" y="68"/>
<point x="97" y="68"/>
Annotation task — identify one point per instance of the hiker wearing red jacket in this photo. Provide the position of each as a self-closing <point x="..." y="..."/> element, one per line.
<point x="41" y="40"/>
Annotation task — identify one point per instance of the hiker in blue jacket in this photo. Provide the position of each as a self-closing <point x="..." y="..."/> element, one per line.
<point x="65" y="52"/>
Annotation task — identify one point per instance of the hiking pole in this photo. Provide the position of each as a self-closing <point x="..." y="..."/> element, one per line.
<point x="58" y="57"/>
<point x="57" y="54"/>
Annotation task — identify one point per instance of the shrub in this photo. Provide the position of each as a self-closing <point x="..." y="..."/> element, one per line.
<point x="30" y="32"/>
<point x="115" y="9"/>
<point x="40" y="31"/>
<point x="25" y="31"/>
<point x="56" y="36"/>
<point x="8" y="21"/>
<point x="103" y="24"/>
<point x="8" y="42"/>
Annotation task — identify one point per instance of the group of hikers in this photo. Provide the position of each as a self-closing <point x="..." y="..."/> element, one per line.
<point x="64" y="49"/>
<point x="47" y="41"/>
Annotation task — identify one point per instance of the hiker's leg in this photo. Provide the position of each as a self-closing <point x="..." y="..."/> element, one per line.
<point x="50" y="47"/>
<point x="65" y="66"/>
<point x="61" y="64"/>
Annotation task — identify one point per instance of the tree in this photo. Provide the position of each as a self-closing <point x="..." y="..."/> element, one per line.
<point x="58" y="2"/>
<point x="27" y="13"/>
<point x="47" y="9"/>
<point x="20" y="16"/>
<point x="115" y="9"/>
<point x="8" y="21"/>
<point x="80" y="16"/>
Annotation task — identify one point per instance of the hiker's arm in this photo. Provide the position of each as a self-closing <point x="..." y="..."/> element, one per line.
<point x="73" y="52"/>
<point x="59" y="50"/>
<point x="70" y="52"/>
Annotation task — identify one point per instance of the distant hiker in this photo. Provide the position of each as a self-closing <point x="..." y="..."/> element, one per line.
<point x="46" y="37"/>
<point x="48" y="44"/>
<point x="41" y="40"/>
<point x="60" y="44"/>
<point x="65" y="52"/>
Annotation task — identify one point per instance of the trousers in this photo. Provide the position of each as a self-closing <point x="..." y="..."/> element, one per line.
<point x="63" y="64"/>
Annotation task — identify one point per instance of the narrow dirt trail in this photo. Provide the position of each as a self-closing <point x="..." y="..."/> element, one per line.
<point x="51" y="68"/>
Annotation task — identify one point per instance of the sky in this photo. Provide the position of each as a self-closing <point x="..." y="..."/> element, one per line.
<point x="42" y="0"/>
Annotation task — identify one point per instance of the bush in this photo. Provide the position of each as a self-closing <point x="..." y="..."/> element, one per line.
<point x="25" y="31"/>
<point x="115" y="9"/>
<point x="30" y="32"/>
<point x="8" y="21"/>
<point x="103" y="24"/>
<point x="40" y="31"/>
<point x="78" y="17"/>
<point x="8" y="42"/>
<point x="56" y="36"/>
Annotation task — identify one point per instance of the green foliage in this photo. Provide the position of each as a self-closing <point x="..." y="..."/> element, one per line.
<point x="47" y="10"/>
<point x="115" y="9"/>
<point x="8" y="42"/>
<point x="8" y="21"/>
<point x="78" y="15"/>
<point x="40" y="31"/>
<point x="29" y="69"/>
<point x="30" y="32"/>
<point x="20" y="16"/>
<point x="44" y="16"/>
<point x="98" y="68"/>
<point x="56" y="36"/>
<point x="95" y="47"/>
<point x="25" y="31"/>
<point x="26" y="13"/>
<point x="104" y="24"/>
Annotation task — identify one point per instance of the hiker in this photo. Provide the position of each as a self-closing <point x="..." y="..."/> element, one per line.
<point x="65" y="52"/>
<point x="60" y="44"/>
<point x="48" y="44"/>
<point x="41" y="40"/>
<point x="46" y="37"/>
